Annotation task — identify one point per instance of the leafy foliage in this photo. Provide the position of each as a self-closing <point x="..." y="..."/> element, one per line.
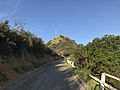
<point x="16" y="42"/>
<point x="27" y="68"/>
<point x="100" y="55"/>
<point x="2" y="77"/>
<point x="62" y="45"/>
<point x="18" y="69"/>
<point x="23" y="51"/>
<point x="105" y="56"/>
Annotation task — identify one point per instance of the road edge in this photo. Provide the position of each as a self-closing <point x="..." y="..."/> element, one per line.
<point x="81" y="83"/>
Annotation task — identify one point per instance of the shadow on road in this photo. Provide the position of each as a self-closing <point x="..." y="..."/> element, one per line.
<point x="53" y="76"/>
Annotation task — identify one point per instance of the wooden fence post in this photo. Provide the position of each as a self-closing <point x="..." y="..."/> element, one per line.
<point x="102" y="86"/>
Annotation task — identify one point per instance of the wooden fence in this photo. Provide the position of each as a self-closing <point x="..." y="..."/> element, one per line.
<point x="102" y="81"/>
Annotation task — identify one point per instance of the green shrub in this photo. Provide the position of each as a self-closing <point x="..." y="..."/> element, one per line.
<point x="2" y="77"/>
<point x="28" y="67"/>
<point x="83" y="73"/>
<point x="93" y="84"/>
<point x="113" y="82"/>
<point x="36" y="64"/>
<point x="18" y="69"/>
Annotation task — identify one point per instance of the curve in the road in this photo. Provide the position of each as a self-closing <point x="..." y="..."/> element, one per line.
<point x="53" y="76"/>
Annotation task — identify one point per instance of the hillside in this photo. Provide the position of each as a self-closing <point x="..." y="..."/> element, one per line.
<point x="62" y="45"/>
<point x="20" y="51"/>
<point x="100" y="55"/>
<point x="68" y="48"/>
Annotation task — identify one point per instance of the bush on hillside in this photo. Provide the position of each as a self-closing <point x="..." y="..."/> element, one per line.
<point x="26" y="68"/>
<point x="2" y="77"/>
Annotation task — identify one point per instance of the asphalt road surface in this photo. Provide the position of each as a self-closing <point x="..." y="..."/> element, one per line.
<point x="53" y="76"/>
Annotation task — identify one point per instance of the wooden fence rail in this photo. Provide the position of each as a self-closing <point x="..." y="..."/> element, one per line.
<point x="103" y="77"/>
<point x="102" y="81"/>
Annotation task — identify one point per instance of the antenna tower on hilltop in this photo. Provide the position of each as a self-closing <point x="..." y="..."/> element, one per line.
<point x="56" y="33"/>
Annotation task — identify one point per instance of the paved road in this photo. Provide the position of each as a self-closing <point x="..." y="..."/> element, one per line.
<point x="53" y="76"/>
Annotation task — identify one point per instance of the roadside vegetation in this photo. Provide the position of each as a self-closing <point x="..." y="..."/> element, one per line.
<point x="2" y="78"/>
<point x="100" y="55"/>
<point x="21" y="51"/>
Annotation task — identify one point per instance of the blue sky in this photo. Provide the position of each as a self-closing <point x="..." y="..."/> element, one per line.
<point x="80" y="20"/>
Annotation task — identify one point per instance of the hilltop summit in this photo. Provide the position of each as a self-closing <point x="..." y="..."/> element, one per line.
<point x="62" y="45"/>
